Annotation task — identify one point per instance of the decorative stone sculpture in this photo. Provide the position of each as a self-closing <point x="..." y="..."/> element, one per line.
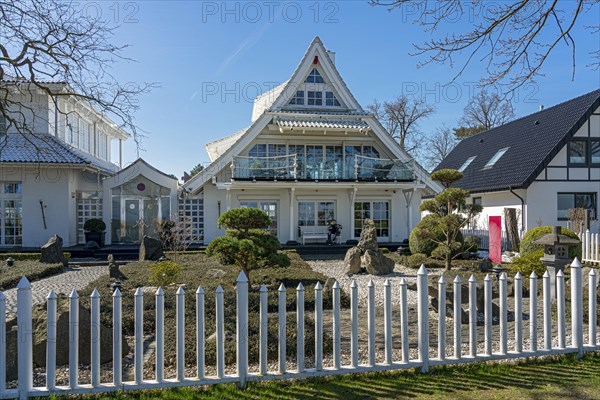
<point x="372" y="260"/>
<point x="151" y="249"/>
<point x="52" y="252"/>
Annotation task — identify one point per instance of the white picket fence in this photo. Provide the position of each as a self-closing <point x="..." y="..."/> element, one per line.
<point x="522" y="348"/>
<point x="484" y="237"/>
<point x="590" y="247"/>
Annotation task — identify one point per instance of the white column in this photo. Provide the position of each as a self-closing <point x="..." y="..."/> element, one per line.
<point x="292" y="201"/>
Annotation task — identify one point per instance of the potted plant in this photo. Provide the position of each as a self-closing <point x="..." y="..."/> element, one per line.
<point x="95" y="230"/>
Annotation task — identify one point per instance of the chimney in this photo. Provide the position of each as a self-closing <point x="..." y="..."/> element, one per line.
<point x="541" y="107"/>
<point x="331" y="55"/>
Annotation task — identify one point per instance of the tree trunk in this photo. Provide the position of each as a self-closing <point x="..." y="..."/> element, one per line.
<point x="511" y="225"/>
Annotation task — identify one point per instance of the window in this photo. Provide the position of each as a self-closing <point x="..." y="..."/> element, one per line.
<point x="89" y="205"/>
<point x="11" y="226"/>
<point x="191" y="216"/>
<point x="565" y="201"/>
<point x="495" y="158"/>
<point x="477" y="201"/>
<point x="577" y="152"/>
<point x="595" y="151"/>
<point x="314" y="77"/>
<point x="270" y="207"/>
<point x="315" y="98"/>
<point x="331" y="100"/>
<point x="378" y="211"/>
<point x="3" y="127"/>
<point x="103" y="146"/>
<point x="315" y="213"/>
<point x="466" y="163"/>
<point x="75" y="131"/>
<point x="298" y="98"/>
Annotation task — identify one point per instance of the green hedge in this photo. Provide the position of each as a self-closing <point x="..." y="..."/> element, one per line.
<point x="527" y="245"/>
<point x="27" y="256"/>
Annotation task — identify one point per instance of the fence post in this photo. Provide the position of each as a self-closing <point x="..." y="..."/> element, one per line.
<point x="577" y="306"/>
<point x="200" y="334"/>
<point x="159" y="297"/>
<point x="442" y="318"/>
<point x="560" y="308"/>
<point x="300" y="326"/>
<point x="264" y="326"/>
<point x="242" y="328"/>
<point x="503" y="314"/>
<point x="457" y="317"/>
<point x="3" y="343"/>
<point x="518" y="313"/>
<point x="404" y="319"/>
<point x="282" y="328"/>
<point x="95" y="338"/>
<point x="117" y="336"/>
<point x="73" y="339"/>
<point x="139" y="336"/>
<point x="533" y="312"/>
<point x="592" y="307"/>
<point x="24" y="344"/>
<point x="387" y="320"/>
<point x="371" y="322"/>
<point x="354" y="323"/>
<point x="472" y="316"/>
<point x="423" y="317"/>
<point x="50" y="342"/>
<point x="586" y="248"/>
<point x="220" y="320"/>
<point x="318" y="326"/>
<point x="547" y="311"/>
<point x="487" y="294"/>
<point x="336" y="326"/>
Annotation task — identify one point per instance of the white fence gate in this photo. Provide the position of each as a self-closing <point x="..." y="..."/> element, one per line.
<point x="522" y="348"/>
<point x="590" y="247"/>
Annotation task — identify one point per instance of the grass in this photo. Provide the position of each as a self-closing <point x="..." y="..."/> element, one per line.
<point x="560" y="378"/>
<point x="33" y="270"/>
<point x="196" y="272"/>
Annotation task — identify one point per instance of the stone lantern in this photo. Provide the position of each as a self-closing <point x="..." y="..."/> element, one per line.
<point x="556" y="253"/>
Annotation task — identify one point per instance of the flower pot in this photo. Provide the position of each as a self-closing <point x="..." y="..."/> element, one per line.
<point x="97" y="237"/>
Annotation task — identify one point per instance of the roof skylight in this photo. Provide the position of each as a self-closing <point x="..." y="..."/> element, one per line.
<point x="467" y="162"/>
<point x="496" y="157"/>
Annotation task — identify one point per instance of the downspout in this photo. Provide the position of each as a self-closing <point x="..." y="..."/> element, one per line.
<point x="522" y="207"/>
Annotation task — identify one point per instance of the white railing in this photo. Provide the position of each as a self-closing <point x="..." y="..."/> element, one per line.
<point x="428" y="355"/>
<point x="483" y="236"/>
<point x="590" y="247"/>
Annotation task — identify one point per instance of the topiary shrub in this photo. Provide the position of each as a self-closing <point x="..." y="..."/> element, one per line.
<point x="420" y="242"/>
<point x="416" y="260"/>
<point x="94" y="225"/>
<point x="527" y="245"/>
<point x="528" y="263"/>
<point x="163" y="273"/>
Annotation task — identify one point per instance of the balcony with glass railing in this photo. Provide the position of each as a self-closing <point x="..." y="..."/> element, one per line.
<point x="292" y="167"/>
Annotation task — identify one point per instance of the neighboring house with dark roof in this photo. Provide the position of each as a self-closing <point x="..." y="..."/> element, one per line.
<point x="542" y="164"/>
<point x="311" y="155"/>
<point x="55" y="156"/>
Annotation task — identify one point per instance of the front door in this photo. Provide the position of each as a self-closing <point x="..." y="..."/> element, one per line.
<point x="139" y="217"/>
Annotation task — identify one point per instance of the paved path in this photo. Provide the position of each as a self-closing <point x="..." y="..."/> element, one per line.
<point x="74" y="278"/>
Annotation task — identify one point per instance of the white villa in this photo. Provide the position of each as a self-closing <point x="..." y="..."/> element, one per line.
<point x="311" y="155"/>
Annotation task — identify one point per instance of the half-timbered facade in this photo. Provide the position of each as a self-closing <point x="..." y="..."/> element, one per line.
<point x="311" y="155"/>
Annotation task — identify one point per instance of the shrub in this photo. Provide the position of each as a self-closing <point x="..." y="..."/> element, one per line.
<point x="528" y="263"/>
<point x="244" y="219"/>
<point x="527" y="245"/>
<point x="27" y="256"/>
<point x="427" y="229"/>
<point x="94" y="225"/>
<point x="416" y="260"/>
<point x="163" y="273"/>
<point x="471" y="244"/>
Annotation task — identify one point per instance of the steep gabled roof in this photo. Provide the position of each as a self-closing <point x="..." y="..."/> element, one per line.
<point x="532" y="141"/>
<point x="46" y="149"/>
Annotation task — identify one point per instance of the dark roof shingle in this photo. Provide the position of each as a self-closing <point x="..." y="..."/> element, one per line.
<point x="533" y="141"/>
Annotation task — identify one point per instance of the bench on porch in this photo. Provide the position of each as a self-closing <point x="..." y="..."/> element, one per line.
<point x="313" y="233"/>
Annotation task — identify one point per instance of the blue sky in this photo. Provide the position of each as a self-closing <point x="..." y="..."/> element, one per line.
<point x="212" y="58"/>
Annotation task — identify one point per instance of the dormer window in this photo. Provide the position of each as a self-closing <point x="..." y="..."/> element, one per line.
<point x="466" y="163"/>
<point x="298" y="98"/>
<point x="496" y="157"/>
<point x="314" y="77"/>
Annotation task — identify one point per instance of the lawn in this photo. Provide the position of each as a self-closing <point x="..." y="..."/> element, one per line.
<point x="33" y="270"/>
<point x="560" y="378"/>
<point x="198" y="270"/>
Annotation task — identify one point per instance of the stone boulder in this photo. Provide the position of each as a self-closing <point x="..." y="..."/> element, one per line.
<point x="368" y="237"/>
<point x="352" y="261"/>
<point x="151" y="249"/>
<point x="52" y="252"/>
<point x="377" y="264"/>
<point x="39" y="321"/>
<point x="464" y="317"/>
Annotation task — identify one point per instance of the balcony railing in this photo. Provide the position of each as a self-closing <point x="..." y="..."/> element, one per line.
<point x="292" y="167"/>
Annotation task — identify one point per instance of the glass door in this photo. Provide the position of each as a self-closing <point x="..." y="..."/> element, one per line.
<point x="132" y="218"/>
<point x="379" y="212"/>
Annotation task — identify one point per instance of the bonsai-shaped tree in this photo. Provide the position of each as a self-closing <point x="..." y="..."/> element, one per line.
<point x="94" y="225"/>
<point x="449" y="213"/>
<point x="246" y="243"/>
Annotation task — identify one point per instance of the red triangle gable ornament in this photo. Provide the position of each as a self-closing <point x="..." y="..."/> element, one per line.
<point x="316" y="60"/>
